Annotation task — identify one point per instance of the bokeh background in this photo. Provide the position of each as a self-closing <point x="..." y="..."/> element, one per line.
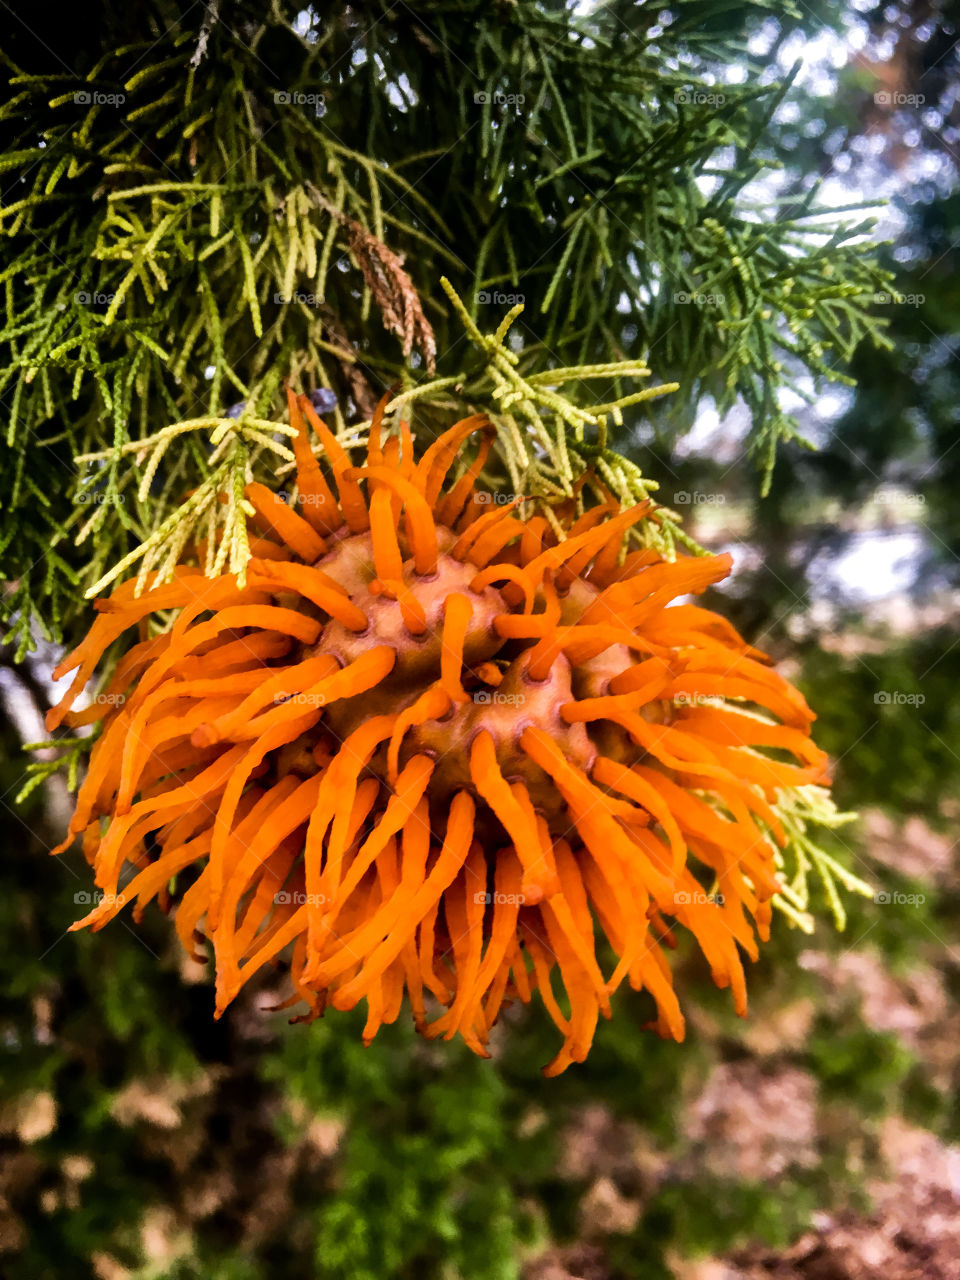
<point x="140" y="1139"/>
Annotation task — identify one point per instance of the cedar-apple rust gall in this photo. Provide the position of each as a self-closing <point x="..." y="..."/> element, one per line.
<point x="432" y="756"/>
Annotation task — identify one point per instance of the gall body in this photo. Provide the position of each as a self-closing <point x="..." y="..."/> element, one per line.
<point x="433" y="751"/>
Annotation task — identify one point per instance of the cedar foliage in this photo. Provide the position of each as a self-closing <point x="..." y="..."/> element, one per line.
<point x="200" y="202"/>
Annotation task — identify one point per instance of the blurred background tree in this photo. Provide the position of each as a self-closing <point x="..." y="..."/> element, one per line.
<point x="199" y="201"/>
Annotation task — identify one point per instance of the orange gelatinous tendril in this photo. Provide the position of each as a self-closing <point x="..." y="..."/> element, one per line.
<point x="432" y="748"/>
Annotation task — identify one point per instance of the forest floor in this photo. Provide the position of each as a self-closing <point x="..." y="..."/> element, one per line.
<point x="763" y="1121"/>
